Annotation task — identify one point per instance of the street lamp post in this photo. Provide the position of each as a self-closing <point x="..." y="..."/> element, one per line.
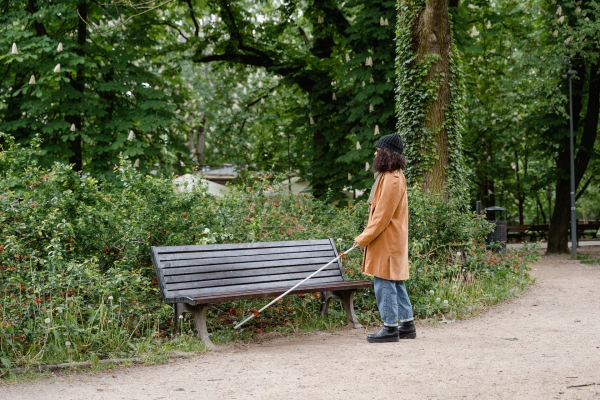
<point x="549" y="196"/>
<point x="570" y="73"/>
<point x="289" y="164"/>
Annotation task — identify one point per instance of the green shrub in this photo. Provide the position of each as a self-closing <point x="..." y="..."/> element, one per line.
<point x="77" y="282"/>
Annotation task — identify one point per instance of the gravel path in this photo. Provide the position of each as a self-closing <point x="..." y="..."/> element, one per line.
<point x="542" y="345"/>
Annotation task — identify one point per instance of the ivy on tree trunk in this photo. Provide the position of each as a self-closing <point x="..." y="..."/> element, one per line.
<point x="430" y="97"/>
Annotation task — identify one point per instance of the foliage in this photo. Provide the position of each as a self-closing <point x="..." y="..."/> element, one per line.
<point x="75" y="252"/>
<point x="335" y="61"/>
<point x="508" y="92"/>
<point x="353" y="104"/>
<point x="92" y="82"/>
<point x="158" y="75"/>
<point x="451" y="268"/>
<point x="365" y="86"/>
<point x="300" y="69"/>
<point x="517" y="120"/>
<point x="246" y="114"/>
<point x="590" y="205"/>
<point x="77" y="283"/>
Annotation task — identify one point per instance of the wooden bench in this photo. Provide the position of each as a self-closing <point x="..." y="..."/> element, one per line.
<point x="192" y="277"/>
<point x="591" y="229"/>
<point x="538" y="232"/>
<point x="517" y="232"/>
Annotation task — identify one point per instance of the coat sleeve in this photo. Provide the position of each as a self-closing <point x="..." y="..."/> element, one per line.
<point x="383" y="212"/>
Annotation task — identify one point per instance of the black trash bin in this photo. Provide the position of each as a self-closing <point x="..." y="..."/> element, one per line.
<point x="497" y="237"/>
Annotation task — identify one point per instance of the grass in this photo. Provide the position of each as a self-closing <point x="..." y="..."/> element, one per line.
<point x="69" y="336"/>
<point x="588" y="259"/>
<point x="462" y="299"/>
<point x="153" y="351"/>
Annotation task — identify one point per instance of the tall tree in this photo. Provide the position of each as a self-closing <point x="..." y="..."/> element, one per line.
<point x="430" y="97"/>
<point x="577" y="28"/>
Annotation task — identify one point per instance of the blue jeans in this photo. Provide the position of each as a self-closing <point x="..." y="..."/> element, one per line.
<point x="392" y="301"/>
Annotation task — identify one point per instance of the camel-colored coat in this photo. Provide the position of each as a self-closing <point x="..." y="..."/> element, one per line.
<point x="385" y="239"/>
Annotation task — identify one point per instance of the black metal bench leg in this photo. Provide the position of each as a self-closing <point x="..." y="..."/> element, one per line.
<point x="199" y="314"/>
<point x="347" y="297"/>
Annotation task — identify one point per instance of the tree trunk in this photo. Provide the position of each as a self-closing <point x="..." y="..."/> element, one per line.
<point x="319" y="178"/>
<point x="486" y="193"/>
<point x="540" y="207"/>
<point x="561" y="217"/>
<point x="520" y="196"/>
<point x="200" y="144"/>
<point x="40" y="29"/>
<point x="78" y="84"/>
<point x="433" y="38"/>
<point x="560" y="221"/>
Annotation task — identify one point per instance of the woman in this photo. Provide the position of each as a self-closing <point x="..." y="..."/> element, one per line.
<point x="385" y="240"/>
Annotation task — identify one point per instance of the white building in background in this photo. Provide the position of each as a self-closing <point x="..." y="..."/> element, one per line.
<point x="185" y="183"/>
<point x="216" y="179"/>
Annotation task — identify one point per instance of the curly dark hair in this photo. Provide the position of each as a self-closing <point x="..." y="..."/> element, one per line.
<point x="386" y="161"/>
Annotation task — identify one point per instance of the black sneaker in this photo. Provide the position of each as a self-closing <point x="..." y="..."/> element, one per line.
<point x="386" y="334"/>
<point x="407" y="330"/>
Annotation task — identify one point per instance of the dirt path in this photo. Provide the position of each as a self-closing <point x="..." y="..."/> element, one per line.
<point x="543" y="345"/>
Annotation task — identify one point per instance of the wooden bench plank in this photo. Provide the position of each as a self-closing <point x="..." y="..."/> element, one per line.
<point x="235" y="246"/>
<point x="252" y="281"/>
<point x="240" y="253"/>
<point x="244" y="295"/>
<point x="282" y="259"/>
<point x="243" y="269"/>
<point x="210" y="276"/>
<point x="249" y="265"/>
<point x="266" y="287"/>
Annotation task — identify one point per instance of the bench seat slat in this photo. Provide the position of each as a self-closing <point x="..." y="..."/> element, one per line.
<point x="252" y="281"/>
<point x="247" y="265"/>
<point x="236" y="246"/>
<point x="211" y="276"/>
<point x="282" y="259"/>
<point x="241" y="252"/>
<point x="244" y="270"/>
<point x="182" y="297"/>
<point x="276" y="286"/>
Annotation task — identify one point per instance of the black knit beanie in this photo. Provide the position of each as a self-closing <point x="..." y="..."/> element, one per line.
<point x="391" y="142"/>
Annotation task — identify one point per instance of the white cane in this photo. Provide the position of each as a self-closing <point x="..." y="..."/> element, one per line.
<point x="295" y="286"/>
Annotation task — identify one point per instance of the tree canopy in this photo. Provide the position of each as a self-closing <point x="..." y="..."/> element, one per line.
<point x="177" y="85"/>
<point x="94" y="81"/>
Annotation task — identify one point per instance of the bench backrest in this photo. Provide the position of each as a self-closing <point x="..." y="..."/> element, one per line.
<point x="191" y="272"/>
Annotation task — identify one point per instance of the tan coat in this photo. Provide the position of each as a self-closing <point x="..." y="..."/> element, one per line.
<point x="385" y="239"/>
